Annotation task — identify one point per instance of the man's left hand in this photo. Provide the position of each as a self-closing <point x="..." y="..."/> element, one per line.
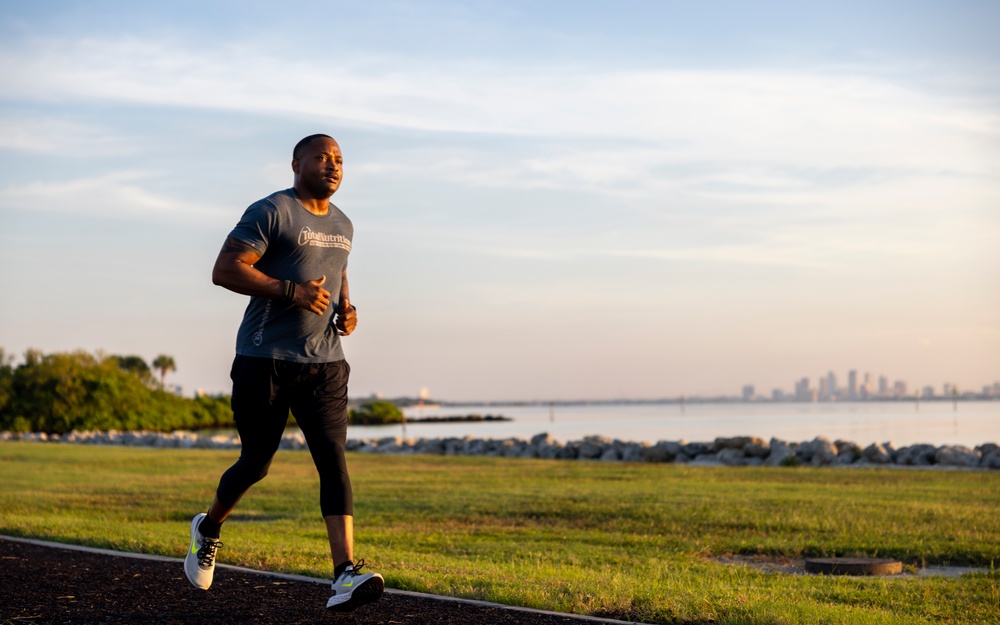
<point x="347" y="318"/>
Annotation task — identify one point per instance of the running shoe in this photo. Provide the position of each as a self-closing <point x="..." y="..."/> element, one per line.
<point x="199" y="563"/>
<point x="354" y="589"/>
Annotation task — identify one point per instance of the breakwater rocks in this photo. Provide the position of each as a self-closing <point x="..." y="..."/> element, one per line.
<point x="734" y="451"/>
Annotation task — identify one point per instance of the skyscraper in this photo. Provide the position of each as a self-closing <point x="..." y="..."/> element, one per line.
<point x="852" y="384"/>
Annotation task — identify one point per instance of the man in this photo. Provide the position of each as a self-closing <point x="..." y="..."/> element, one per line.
<point x="289" y="254"/>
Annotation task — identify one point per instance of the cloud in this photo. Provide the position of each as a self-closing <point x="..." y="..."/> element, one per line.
<point x="820" y="119"/>
<point x="116" y="194"/>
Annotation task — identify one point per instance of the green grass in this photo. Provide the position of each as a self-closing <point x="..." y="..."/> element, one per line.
<point x="635" y="542"/>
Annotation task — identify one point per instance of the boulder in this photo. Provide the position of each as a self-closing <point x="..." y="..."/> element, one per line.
<point x="693" y="450"/>
<point x="957" y="456"/>
<point x="824" y="452"/>
<point x="737" y="442"/>
<point x="731" y="457"/>
<point x="781" y="453"/>
<point x="916" y="455"/>
<point x="876" y="454"/>
<point x="611" y="454"/>
<point x="991" y="461"/>
<point x="757" y="448"/>
<point x="589" y="450"/>
<point x="847" y="447"/>
<point x="663" y="451"/>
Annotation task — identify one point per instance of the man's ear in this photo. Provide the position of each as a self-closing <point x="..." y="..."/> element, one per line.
<point x="295" y="165"/>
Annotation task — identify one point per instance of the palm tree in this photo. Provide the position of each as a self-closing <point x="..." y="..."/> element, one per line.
<point x="163" y="364"/>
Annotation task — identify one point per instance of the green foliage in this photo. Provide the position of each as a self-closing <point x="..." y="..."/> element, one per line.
<point x="135" y="365"/>
<point x="378" y="412"/>
<point x="164" y="364"/>
<point x="57" y="393"/>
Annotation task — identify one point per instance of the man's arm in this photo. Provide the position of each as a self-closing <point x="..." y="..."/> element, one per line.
<point x="347" y="315"/>
<point x="234" y="270"/>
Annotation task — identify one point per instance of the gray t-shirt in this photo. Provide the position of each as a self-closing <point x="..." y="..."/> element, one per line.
<point x="296" y="245"/>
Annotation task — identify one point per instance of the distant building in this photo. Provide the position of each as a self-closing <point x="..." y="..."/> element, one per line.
<point x="852" y="384"/>
<point x="824" y="389"/>
<point x="803" y="392"/>
<point x="899" y="389"/>
<point x="867" y="387"/>
<point x="748" y="393"/>
<point x="831" y="384"/>
<point x="928" y="392"/>
<point x="777" y="395"/>
<point x="883" y="386"/>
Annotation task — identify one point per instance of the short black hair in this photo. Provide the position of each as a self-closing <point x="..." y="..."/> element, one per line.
<point x="303" y="143"/>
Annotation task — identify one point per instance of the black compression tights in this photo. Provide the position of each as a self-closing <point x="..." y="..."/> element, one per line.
<point x="263" y="392"/>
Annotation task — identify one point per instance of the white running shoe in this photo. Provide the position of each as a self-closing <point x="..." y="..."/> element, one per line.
<point x="354" y="589"/>
<point x="199" y="563"/>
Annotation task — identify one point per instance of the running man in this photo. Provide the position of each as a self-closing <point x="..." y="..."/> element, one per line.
<point x="289" y="254"/>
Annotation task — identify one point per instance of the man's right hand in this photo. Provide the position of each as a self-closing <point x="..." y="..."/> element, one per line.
<point x="312" y="296"/>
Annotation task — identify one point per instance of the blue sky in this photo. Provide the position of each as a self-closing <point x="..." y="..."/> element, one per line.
<point x="551" y="200"/>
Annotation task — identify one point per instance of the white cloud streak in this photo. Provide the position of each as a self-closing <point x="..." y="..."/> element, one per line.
<point x="832" y="119"/>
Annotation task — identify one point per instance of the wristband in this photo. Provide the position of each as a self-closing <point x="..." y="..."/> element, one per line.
<point x="288" y="290"/>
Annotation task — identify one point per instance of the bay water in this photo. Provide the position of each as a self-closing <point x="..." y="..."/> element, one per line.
<point x="968" y="423"/>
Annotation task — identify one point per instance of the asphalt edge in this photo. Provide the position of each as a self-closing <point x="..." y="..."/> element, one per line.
<point x="315" y="580"/>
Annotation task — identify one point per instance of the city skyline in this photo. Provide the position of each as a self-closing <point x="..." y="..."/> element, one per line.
<point x="829" y="388"/>
<point x="550" y="200"/>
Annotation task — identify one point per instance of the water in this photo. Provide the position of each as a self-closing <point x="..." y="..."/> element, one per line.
<point x="936" y="423"/>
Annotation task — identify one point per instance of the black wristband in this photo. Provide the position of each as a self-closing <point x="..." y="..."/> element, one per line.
<point x="287" y="290"/>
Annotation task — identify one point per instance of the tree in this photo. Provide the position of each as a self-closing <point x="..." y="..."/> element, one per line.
<point x="135" y="365"/>
<point x="377" y="412"/>
<point x="164" y="364"/>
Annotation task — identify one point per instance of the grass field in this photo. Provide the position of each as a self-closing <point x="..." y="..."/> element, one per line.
<point x="636" y="542"/>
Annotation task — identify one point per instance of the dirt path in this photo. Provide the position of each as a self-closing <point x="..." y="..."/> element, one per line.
<point x="44" y="584"/>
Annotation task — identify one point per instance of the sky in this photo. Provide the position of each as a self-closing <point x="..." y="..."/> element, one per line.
<point x="551" y="200"/>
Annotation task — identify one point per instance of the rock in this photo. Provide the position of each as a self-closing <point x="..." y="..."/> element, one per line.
<point x="847" y="447"/>
<point x="541" y="439"/>
<point x="844" y="459"/>
<point x="633" y="452"/>
<point x="917" y="455"/>
<point x="988" y="449"/>
<point x="591" y="448"/>
<point x="757" y="449"/>
<point x="823" y="451"/>
<point x="611" y="454"/>
<point x="781" y="454"/>
<point x="663" y="451"/>
<point x="957" y="456"/>
<point x="430" y="446"/>
<point x="570" y="451"/>
<point x="737" y="442"/>
<point x="991" y="461"/>
<point x="693" y="450"/>
<point x="706" y="459"/>
<point x="876" y="454"/>
<point x="732" y="457"/>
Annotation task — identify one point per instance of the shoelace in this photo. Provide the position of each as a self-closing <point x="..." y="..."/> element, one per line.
<point x="206" y="555"/>
<point x="357" y="567"/>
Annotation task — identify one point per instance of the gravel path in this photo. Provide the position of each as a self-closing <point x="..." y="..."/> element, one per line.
<point x="48" y="584"/>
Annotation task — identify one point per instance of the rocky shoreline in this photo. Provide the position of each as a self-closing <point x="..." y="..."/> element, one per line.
<point x="732" y="451"/>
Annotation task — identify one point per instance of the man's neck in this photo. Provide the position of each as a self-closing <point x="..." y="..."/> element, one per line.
<point x="316" y="206"/>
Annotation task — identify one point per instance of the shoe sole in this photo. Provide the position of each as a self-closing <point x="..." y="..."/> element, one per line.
<point x="369" y="592"/>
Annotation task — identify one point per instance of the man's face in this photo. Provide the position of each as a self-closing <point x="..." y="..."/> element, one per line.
<point x="319" y="168"/>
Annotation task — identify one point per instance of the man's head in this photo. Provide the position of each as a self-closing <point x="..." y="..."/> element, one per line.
<point x="318" y="166"/>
